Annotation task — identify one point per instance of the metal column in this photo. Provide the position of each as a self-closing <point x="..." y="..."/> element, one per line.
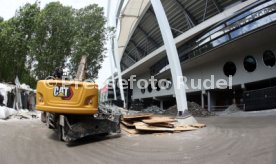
<point x="161" y="104"/>
<point x="202" y="100"/>
<point x="111" y="55"/>
<point x="113" y="23"/>
<point x="119" y="70"/>
<point x="209" y="101"/>
<point x="174" y="62"/>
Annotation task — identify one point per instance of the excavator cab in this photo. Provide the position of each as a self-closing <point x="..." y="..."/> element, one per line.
<point x="64" y="97"/>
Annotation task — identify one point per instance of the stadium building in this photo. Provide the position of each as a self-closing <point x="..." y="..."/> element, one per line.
<point x="223" y="38"/>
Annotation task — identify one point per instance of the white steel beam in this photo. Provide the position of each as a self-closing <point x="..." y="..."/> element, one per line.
<point x="113" y="21"/>
<point x="174" y="62"/>
<point x="110" y="53"/>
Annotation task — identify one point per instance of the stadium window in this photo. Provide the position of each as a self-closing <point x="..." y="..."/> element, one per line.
<point x="264" y="21"/>
<point x="250" y="63"/>
<point x="250" y="27"/>
<point x="269" y="58"/>
<point x="220" y="40"/>
<point x="273" y="17"/>
<point x="236" y="33"/>
<point x="229" y="69"/>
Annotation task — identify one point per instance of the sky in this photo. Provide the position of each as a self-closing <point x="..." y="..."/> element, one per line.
<point x="8" y="8"/>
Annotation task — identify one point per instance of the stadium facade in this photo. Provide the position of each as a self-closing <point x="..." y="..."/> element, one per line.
<point x="214" y="39"/>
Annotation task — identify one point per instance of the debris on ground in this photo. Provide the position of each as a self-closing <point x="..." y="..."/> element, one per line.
<point x="6" y="112"/>
<point x="122" y="110"/>
<point x="25" y="114"/>
<point x="194" y="108"/>
<point x="128" y="124"/>
<point x="9" y="113"/>
<point x="232" y="109"/>
<point x="171" y="111"/>
<point x="137" y="116"/>
<point x="158" y="120"/>
<point x="198" y="125"/>
<point x="148" y="123"/>
<point x="129" y="130"/>
<point x="153" y="109"/>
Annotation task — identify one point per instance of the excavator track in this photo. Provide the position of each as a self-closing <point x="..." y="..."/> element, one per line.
<point x="73" y="127"/>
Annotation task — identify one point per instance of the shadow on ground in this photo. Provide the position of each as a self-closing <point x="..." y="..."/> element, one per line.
<point x="92" y="139"/>
<point x="85" y="140"/>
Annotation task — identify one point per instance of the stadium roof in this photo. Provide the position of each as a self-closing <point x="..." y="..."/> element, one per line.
<point x="140" y="34"/>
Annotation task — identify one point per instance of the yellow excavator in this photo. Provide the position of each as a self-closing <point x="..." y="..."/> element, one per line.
<point x="72" y="108"/>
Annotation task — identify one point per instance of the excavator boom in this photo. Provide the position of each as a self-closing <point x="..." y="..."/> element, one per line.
<point x="80" y="76"/>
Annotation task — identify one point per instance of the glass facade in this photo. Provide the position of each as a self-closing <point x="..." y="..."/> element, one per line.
<point x="254" y="17"/>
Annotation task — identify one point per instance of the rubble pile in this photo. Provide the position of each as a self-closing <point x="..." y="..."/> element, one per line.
<point x="171" y="111"/>
<point x="198" y="111"/>
<point x="232" y="109"/>
<point x="194" y="108"/>
<point x="154" y="109"/>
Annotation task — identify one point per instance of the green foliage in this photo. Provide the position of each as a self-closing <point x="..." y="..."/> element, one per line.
<point x="34" y="42"/>
<point x="89" y="39"/>
<point x="54" y="38"/>
<point x="15" y="36"/>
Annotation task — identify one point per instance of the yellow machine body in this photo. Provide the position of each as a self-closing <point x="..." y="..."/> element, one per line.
<point x="66" y="97"/>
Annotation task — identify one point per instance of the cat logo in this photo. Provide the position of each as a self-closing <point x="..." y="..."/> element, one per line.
<point x="66" y="93"/>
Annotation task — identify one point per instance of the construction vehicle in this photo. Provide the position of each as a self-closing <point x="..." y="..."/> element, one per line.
<point x="72" y="109"/>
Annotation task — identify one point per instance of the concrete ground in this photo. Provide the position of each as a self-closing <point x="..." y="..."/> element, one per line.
<point x="228" y="139"/>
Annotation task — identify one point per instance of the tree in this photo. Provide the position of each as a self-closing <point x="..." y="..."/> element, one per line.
<point x="25" y="18"/>
<point x="89" y="39"/>
<point x="15" y="38"/>
<point x="54" y="38"/>
<point x="34" y="42"/>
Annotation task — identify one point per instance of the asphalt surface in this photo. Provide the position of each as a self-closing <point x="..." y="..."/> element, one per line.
<point x="226" y="140"/>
